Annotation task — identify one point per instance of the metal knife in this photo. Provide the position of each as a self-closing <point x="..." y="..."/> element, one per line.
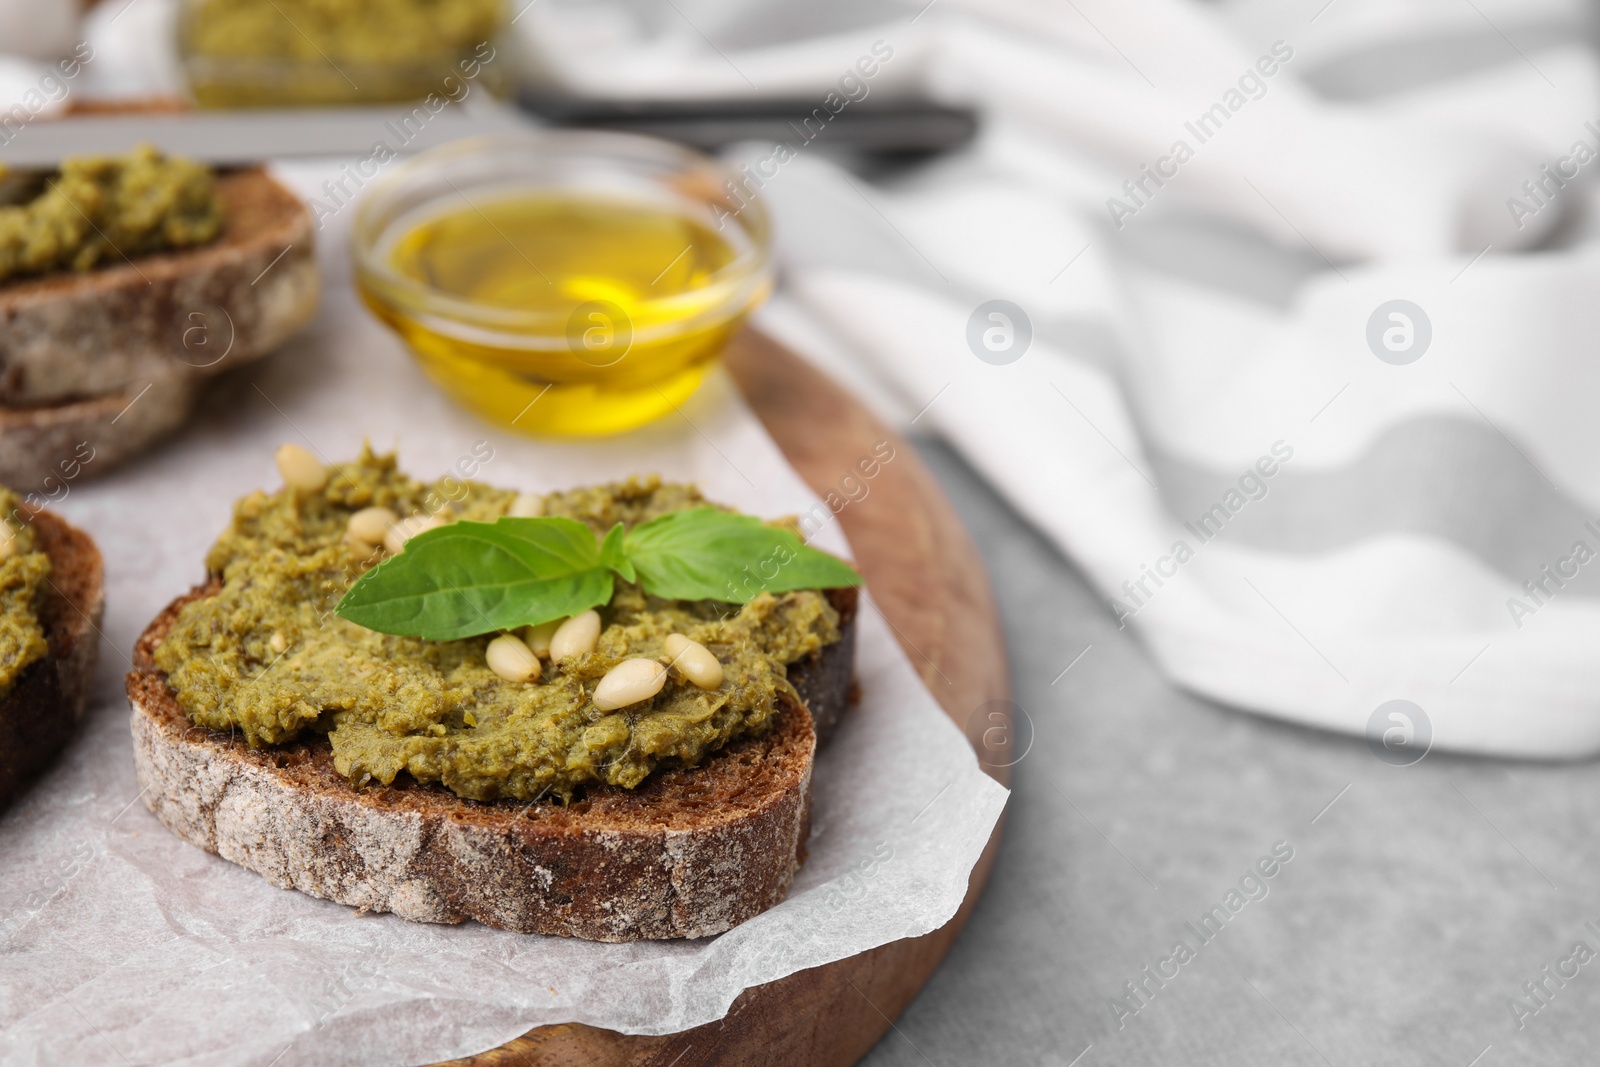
<point x="886" y="126"/>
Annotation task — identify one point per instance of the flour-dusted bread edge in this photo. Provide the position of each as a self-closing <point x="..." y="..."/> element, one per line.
<point x="42" y="710"/>
<point x="688" y="854"/>
<point x="41" y="445"/>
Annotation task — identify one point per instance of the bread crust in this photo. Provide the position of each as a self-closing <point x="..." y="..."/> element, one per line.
<point x="689" y="853"/>
<point x="41" y="447"/>
<point x="39" y="713"/>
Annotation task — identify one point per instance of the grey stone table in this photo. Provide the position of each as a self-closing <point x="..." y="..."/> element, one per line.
<point x="1416" y="904"/>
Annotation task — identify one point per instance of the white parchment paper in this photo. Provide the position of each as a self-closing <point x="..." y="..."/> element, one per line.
<point x="120" y="944"/>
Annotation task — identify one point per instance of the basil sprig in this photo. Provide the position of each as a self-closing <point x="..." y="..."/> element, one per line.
<point x="470" y="578"/>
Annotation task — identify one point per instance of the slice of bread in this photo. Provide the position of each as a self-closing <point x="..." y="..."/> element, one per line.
<point x="39" y="713"/>
<point x="688" y="853"/>
<point x="77" y="348"/>
<point x="70" y="335"/>
<point x="38" y="443"/>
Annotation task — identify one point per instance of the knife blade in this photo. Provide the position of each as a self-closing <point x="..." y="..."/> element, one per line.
<point x="889" y="126"/>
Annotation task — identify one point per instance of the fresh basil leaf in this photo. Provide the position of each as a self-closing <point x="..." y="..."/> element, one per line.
<point x="471" y="578"/>
<point x="706" y="554"/>
<point x="614" y="554"/>
<point x="556" y="545"/>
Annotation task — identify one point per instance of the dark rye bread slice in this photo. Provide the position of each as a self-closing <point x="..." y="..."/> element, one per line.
<point x="688" y="853"/>
<point x="39" y="713"/>
<point x="116" y="357"/>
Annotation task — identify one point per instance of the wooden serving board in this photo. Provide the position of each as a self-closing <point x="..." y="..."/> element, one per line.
<point x="926" y="575"/>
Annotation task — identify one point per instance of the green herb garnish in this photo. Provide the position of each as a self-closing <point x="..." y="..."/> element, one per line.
<point x="472" y="578"/>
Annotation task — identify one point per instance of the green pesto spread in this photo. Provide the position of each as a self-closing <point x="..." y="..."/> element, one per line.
<point x="24" y="573"/>
<point x="268" y="657"/>
<point x="103" y="208"/>
<point x="358" y="31"/>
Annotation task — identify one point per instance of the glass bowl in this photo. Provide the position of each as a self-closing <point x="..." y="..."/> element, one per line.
<point x="558" y="282"/>
<point x="257" y="53"/>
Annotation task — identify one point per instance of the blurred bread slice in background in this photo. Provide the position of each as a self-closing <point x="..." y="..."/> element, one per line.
<point x="112" y="360"/>
<point x="191" y="312"/>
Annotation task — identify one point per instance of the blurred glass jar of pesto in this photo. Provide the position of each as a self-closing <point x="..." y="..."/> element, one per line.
<point x="560" y="282"/>
<point x="301" y="53"/>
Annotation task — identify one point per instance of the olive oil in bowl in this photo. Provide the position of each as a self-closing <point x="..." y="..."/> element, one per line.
<point x="567" y="307"/>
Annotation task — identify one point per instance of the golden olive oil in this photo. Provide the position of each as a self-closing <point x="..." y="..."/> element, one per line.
<point x="561" y="312"/>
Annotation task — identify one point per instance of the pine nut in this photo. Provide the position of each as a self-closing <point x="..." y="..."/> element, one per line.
<point x="527" y="506"/>
<point x="512" y="660"/>
<point x="576" y="636"/>
<point x="278" y="642"/>
<point x="8" y="541"/>
<point x="395" y="538"/>
<point x="694" y="661"/>
<point x="538" y="637"/>
<point x="367" y="526"/>
<point x="629" y="682"/>
<point x="299" y="469"/>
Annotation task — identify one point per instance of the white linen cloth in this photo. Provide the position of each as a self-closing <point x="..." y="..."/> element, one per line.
<point x="1424" y="532"/>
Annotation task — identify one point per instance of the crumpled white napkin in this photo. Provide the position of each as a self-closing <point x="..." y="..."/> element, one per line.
<point x="1423" y="534"/>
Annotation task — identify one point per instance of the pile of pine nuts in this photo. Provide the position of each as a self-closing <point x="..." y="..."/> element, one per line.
<point x="515" y="657"/>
